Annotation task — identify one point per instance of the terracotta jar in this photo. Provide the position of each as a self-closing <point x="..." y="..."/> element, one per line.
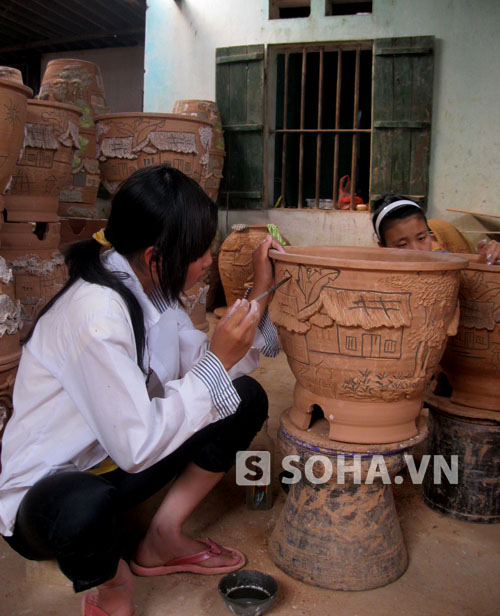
<point x="44" y="165"/>
<point x="38" y="266"/>
<point x="10" y="350"/>
<point x="131" y="141"/>
<point x="208" y="110"/>
<point x="11" y="74"/>
<point x="78" y="82"/>
<point x="195" y="304"/>
<point x="363" y="330"/>
<point x="13" y="101"/>
<point x="471" y="360"/>
<point x="235" y="259"/>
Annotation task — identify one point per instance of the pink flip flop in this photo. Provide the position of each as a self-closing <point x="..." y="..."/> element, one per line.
<point x="189" y="564"/>
<point x="90" y="609"/>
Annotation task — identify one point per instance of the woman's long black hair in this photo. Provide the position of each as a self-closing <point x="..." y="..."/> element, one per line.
<point x="157" y="206"/>
<point x="400" y="213"/>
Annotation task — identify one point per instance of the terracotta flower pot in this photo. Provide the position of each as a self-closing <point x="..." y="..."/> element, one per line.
<point x="38" y="266"/>
<point x="78" y="82"/>
<point x="131" y="141"/>
<point x="363" y="330"/>
<point x="471" y="360"/>
<point x="208" y="110"/>
<point x="235" y="259"/>
<point x="44" y="165"/>
<point x="13" y="100"/>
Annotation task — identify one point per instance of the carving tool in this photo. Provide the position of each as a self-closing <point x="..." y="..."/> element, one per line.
<point x="270" y="290"/>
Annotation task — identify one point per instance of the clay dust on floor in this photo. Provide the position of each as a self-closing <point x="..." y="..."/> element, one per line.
<point x="454" y="567"/>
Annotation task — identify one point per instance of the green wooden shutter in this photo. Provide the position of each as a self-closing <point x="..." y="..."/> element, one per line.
<point x="402" y="110"/>
<point x="240" y="99"/>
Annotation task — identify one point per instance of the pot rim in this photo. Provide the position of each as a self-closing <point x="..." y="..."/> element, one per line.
<point x="17" y="86"/>
<point x="383" y="258"/>
<point x="56" y="104"/>
<point x="478" y="263"/>
<point x="150" y="114"/>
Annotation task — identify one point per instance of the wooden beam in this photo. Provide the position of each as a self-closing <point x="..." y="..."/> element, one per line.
<point x="74" y="39"/>
<point x="451" y="209"/>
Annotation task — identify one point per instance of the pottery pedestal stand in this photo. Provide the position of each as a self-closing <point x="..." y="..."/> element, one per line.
<point x="340" y="535"/>
<point x="473" y="435"/>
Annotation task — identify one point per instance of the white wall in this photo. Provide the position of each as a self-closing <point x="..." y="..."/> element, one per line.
<point x="181" y="38"/>
<point x="122" y="71"/>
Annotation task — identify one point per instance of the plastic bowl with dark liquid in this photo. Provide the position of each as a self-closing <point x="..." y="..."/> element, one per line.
<point x="248" y="593"/>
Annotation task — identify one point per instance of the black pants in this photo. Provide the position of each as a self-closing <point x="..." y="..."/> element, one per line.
<point x="77" y="517"/>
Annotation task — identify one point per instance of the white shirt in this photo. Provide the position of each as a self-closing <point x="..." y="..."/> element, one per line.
<point x="80" y="396"/>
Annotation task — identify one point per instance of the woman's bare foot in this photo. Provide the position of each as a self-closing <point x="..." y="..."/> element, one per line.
<point x="115" y="597"/>
<point x="175" y="545"/>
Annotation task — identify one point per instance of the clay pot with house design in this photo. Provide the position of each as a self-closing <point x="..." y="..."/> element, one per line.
<point x="44" y="164"/>
<point x="13" y="101"/>
<point x="130" y="141"/>
<point x="471" y="360"/>
<point x="363" y="330"/>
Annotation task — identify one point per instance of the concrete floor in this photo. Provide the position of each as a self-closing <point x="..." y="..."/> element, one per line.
<point x="454" y="566"/>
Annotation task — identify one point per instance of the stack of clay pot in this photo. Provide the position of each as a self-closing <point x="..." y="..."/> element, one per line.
<point x="78" y="83"/>
<point x="364" y="329"/>
<point x="130" y="141"/>
<point x="32" y="252"/>
<point x="208" y="110"/>
<point x="464" y="403"/>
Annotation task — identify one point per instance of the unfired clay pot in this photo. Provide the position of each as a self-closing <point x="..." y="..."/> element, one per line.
<point x="131" y="141"/>
<point x="363" y="330"/>
<point x="78" y="82"/>
<point x="235" y="259"/>
<point x="38" y="266"/>
<point x="208" y="110"/>
<point x="13" y="101"/>
<point x="79" y="229"/>
<point x="44" y="165"/>
<point x="471" y="360"/>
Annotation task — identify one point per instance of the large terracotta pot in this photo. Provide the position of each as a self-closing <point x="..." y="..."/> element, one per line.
<point x="79" y="83"/>
<point x="208" y="110"/>
<point x="471" y="360"/>
<point x="131" y="141"/>
<point x="363" y="330"/>
<point x="13" y="101"/>
<point x="44" y="165"/>
<point x="38" y="266"/>
<point x="235" y="259"/>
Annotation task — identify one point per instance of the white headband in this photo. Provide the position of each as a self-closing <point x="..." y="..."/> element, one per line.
<point x="392" y="206"/>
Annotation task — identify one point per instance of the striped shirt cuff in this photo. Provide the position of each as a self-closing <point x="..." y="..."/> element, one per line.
<point x="269" y="332"/>
<point x="212" y="374"/>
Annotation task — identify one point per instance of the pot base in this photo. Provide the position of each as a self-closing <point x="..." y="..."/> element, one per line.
<point x="357" y="421"/>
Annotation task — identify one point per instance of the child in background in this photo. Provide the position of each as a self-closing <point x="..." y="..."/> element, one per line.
<point x="399" y="222"/>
